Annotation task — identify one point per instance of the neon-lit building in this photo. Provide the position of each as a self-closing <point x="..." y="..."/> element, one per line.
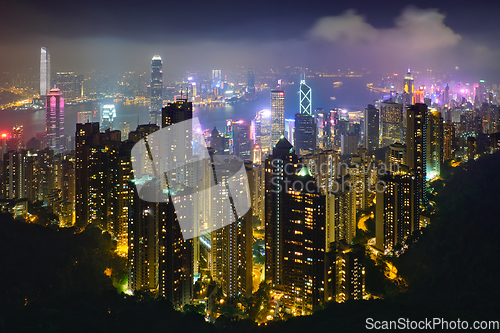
<point x="305" y="97"/>
<point x="55" y="120"/>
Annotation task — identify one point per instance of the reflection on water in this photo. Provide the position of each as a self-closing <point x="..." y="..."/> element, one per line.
<point x="352" y="94"/>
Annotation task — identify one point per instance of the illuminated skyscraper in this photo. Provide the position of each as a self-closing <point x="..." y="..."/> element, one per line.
<point x="263" y="130"/>
<point x="251" y="82"/>
<point x="216" y="81"/>
<point x="391" y="123"/>
<point x="448" y="140"/>
<point x="305" y="133"/>
<point x="305" y="97"/>
<point x="156" y="90"/>
<point x="371" y="128"/>
<point x="416" y="148"/>
<point x="44" y="72"/>
<point x="409" y="89"/>
<point x="55" y="120"/>
<point x="350" y="278"/>
<point x="397" y="214"/>
<point x="434" y="144"/>
<point x="14" y="174"/>
<point x="277" y="116"/>
<point x="108" y="115"/>
<point x="294" y="238"/>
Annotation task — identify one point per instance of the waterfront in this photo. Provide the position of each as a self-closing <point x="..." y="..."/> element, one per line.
<point x="352" y="94"/>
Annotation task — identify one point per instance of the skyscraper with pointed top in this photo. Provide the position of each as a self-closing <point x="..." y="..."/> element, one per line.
<point x="156" y="90"/>
<point x="44" y="72"/>
<point x="305" y="96"/>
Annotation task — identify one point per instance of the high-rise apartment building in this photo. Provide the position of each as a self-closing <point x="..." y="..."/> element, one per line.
<point x="434" y="144"/>
<point x="371" y="128"/>
<point x="391" y="123"/>
<point x="416" y="148"/>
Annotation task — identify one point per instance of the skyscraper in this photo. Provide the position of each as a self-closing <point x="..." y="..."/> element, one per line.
<point x="67" y="83"/>
<point x="277" y="115"/>
<point x="44" y="72"/>
<point x="391" y="123"/>
<point x="305" y="97"/>
<point x="305" y="133"/>
<point x="251" y="82"/>
<point x="434" y="144"/>
<point x="371" y="128"/>
<point x="54" y="118"/>
<point x="408" y="90"/>
<point x="156" y="90"/>
<point x="416" y="148"/>
<point x="294" y="238"/>
<point x="216" y="81"/>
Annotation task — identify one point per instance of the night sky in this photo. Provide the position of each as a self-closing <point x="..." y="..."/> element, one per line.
<point x="123" y="35"/>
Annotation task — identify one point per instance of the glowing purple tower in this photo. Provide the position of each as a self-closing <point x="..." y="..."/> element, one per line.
<point x="55" y="120"/>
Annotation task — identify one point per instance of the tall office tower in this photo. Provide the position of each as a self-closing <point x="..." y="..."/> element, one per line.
<point x="446" y="95"/>
<point x="408" y="90"/>
<point x="231" y="246"/>
<point x="350" y="278"/>
<point x="67" y="83"/>
<point x="263" y="130"/>
<point x="156" y="90"/>
<point x="216" y="81"/>
<point x="251" y="82"/>
<point x="448" y="140"/>
<point x="320" y="118"/>
<point x="55" y="120"/>
<point x="305" y="133"/>
<point x="44" y="72"/>
<point x="342" y="211"/>
<point x="348" y="143"/>
<point x="242" y="142"/>
<point x="434" y="144"/>
<point x="391" y="123"/>
<point x="14" y="175"/>
<point x="108" y="115"/>
<point x="416" y="149"/>
<point x="305" y="97"/>
<point x="277" y="115"/>
<point x="290" y="130"/>
<point x="396" y="215"/>
<point x="371" y="128"/>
